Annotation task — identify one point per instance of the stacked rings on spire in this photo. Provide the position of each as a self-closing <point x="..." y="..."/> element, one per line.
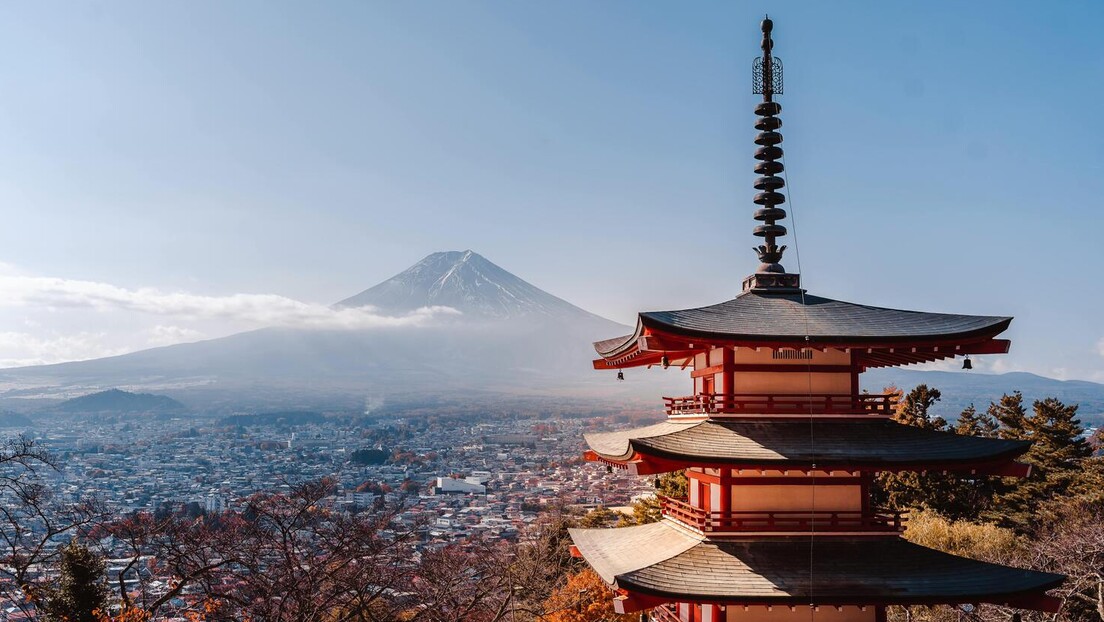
<point x="769" y="184"/>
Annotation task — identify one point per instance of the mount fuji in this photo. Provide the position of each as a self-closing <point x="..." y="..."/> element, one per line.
<point x="509" y="337"/>
<point x="467" y="282"/>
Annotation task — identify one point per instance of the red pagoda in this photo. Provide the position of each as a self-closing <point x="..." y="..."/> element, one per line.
<point x="780" y="448"/>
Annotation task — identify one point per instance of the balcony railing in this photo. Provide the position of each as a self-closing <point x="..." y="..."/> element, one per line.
<point x="664" y="613"/>
<point x="797" y="521"/>
<point x="763" y="403"/>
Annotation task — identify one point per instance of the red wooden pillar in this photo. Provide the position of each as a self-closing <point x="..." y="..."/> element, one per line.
<point x="728" y="381"/>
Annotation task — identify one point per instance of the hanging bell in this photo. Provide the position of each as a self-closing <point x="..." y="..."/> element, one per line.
<point x="966" y="364"/>
<point x="665" y="362"/>
<point x="620" y="375"/>
<point x="657" y="483"/>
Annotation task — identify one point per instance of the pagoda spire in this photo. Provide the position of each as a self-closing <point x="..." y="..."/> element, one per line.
<point x="767" y="81"/>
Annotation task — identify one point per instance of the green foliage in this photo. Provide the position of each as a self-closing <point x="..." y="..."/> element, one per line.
<point x="973" y="423"/>
<point x="600" y="516"/>
<point x="1058" y="458"/>
<point x="646" y="510"/>
<point x="672" y="485"/>
<point x="915" y="409"/>
<point x="81" y="591"/>
<point x="1011" y="416"/>
<point x="909" y="490"/>
<point x="369" y="456"/>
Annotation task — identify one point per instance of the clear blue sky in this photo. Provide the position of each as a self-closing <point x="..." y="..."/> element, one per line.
<point x="942" y="156"/>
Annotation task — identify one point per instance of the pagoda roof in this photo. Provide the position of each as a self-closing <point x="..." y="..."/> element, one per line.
<point x="662" y="561"/>
<point x="853" y="443"/>
<point x="787" y="318"/>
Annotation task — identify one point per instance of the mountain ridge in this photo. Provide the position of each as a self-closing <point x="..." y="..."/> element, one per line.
<point x="465" y="281"/>
<point x="511" y="337"/>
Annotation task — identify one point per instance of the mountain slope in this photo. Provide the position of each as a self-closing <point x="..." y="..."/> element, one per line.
<point x="466" y="281"/>
<point x="511" y="337"/>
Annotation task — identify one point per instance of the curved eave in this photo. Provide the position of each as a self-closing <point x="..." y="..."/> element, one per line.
<point x="853" y="445"/>
<point x="889" y="336"/>
<point x="998" y="326"/>
<point x="651" y="564"/>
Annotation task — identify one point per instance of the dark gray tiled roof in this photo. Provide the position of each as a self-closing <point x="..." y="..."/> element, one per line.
<point x="789" y="317"/>
<point x="786" y="315"/>
<point x="847" y="442"/>
<point x="844" y="570"/>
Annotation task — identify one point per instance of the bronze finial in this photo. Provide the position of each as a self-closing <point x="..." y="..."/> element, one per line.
<point x="767" y="81"/>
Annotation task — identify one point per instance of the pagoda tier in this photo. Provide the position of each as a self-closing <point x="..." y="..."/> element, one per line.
<point x="780" y="448"/>
<point x="652" y="565"/>
<point x="852" y="445"/>
<point x="871" y="336"/>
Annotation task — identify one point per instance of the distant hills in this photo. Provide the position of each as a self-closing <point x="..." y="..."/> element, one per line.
<point x="119" y="402"/>
<point x="960" y="389"/>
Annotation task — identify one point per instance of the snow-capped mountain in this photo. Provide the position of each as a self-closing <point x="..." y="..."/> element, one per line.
<point x="466" y="281"/>
<point x="510" y="337"/>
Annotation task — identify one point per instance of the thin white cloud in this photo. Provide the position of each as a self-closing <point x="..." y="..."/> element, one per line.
<point x="261" y="309"/>
<point x="18" y="349"/>
<point x="162" y="335"/>
<point x="1100" y="347"/>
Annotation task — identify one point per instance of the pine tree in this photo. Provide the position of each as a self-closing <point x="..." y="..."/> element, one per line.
<point x="1010" y="414"/>
<point x="915" y="408"/>
<point x="973" y="423"/>
<point x="1058" y="458"/>
<point x="909" y="490"/>
<point x="81" y="591"/>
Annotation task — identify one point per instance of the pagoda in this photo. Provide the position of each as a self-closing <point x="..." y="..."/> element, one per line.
<point x="780" y="448"/>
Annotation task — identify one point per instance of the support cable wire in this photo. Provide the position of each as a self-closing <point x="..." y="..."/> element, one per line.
<point x="809" y="379"/>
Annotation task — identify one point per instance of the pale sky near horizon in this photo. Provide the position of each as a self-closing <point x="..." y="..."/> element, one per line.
<point x="174" y="171"/>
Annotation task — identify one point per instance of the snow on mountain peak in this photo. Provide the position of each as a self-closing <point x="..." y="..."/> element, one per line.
<point x="466" y="281"/>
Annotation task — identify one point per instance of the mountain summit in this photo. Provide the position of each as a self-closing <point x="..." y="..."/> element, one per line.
<point x="511" y="338"/>
<point x="466" y="281"/>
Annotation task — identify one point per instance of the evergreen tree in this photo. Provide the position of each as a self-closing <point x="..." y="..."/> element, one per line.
<point x="915" y="408"/>
<point x="1010" y="414"/>
<point x="672" y="485"/>
<point x="973" y="423"/>
<point x="1058" y="458"/>
<point x="909" y="490"/>
<point x="81" y="591"/>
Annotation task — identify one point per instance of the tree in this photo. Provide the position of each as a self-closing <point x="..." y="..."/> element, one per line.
<point x="673" y="485"/>
<point x="1010" y="414"/>
<point x="585" y="597"/>
<point x="909" y="490"/>
<point x="31" y="520"/>
<point x="457" y="586"/>
<point x="600" y="516"/>
<point x="1058" y="457"/>
<point x="1072" y="543"/>
<point x="80" y="594"/>
<point x="984" y="542"/>
<point x="915" y="408"/>
<point x="972" y="423"/>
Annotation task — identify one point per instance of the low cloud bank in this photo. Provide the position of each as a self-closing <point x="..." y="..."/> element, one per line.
<point x="260" y="309"/>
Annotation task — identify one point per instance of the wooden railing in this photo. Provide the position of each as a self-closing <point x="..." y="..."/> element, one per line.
<point x="797" y="521"/>
<point x="763" y="403"/>
<point x="664" y="613"/>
